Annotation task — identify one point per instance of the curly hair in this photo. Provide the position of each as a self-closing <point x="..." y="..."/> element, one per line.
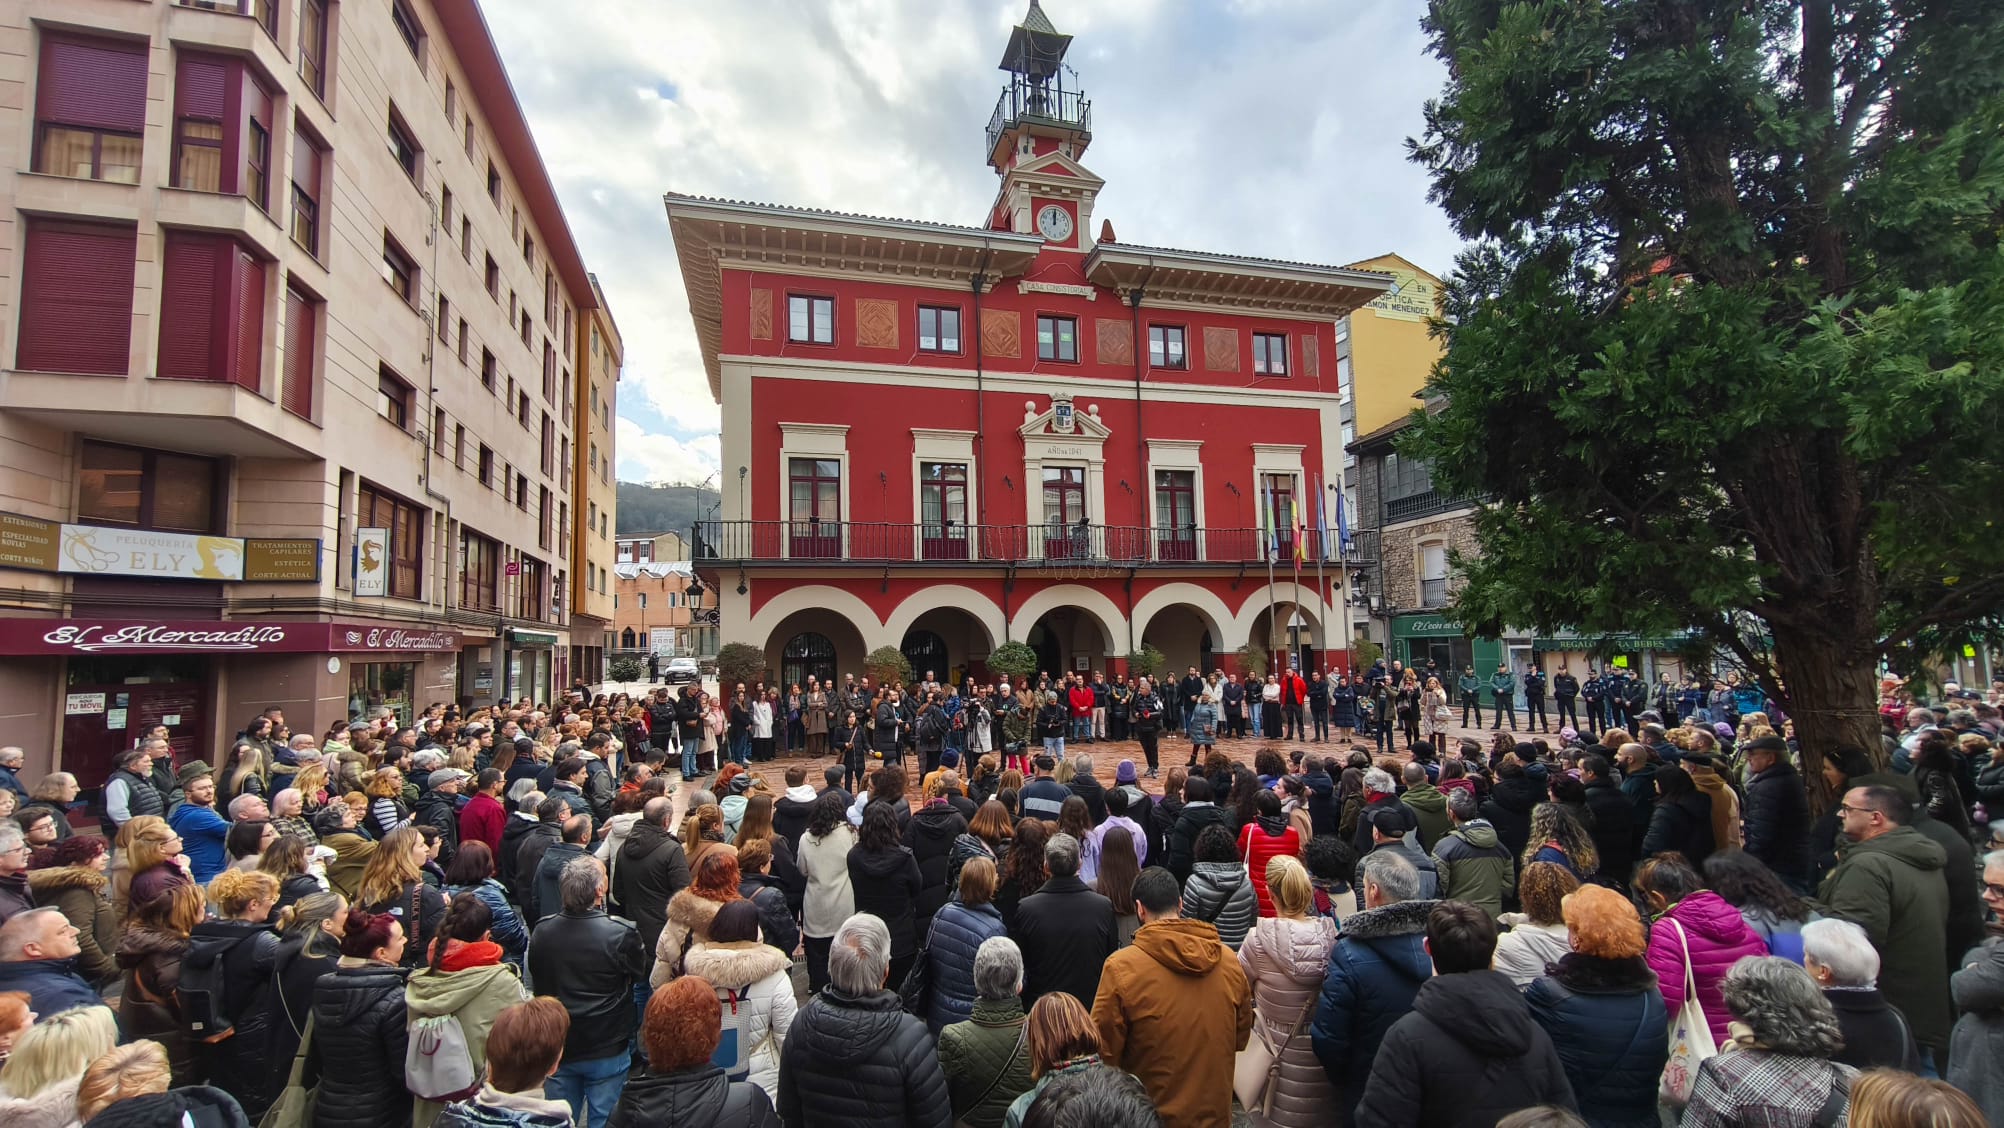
<point x="1602" y="923"/>
<point x="234" y="891"/>
<point x="1552" y="823"/>
<point x="1787" y="1011"/>
<point x="1543" y="890"/>
<point x="682" y="1026"/>
<point x="1746" y="882"/>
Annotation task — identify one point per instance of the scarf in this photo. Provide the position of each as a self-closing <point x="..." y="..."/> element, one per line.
<point x="463" y="954"/>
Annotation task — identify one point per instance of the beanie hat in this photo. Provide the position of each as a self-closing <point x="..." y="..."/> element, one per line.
<point x="949" y="759"/>
<point x="1124" y="772"/>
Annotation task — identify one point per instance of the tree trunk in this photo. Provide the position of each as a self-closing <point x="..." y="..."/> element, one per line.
<point x="1830" y="690"/>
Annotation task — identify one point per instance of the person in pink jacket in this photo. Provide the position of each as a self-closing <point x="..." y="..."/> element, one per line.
<point x="1684" y="913"/>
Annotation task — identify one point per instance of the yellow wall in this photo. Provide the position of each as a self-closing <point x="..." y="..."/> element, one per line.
<point x="1390" y="352"/>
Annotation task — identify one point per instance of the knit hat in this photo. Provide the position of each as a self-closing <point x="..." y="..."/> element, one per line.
<point x="949" y="759"/>
<point x="1724" y="730"/>
<point x="1568" y="733"/>
<point x="1124" y="772"/>
<point x="192" y="771"/>
<point x="1603" y="923"/>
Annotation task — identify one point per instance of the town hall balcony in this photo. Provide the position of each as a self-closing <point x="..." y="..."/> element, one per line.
<point x="951" y="543"/>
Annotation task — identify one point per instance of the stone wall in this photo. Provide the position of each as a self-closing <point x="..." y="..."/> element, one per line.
<point x="1400" y="569"/>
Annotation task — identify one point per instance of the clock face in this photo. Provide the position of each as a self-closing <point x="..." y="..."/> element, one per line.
<point x="1054" y="222"/>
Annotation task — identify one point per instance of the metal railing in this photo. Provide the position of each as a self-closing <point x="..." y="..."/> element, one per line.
<point x="1027" y="100"/>
<point x="1433" y="593"/>
<point x="1424" y="504"/>
<point x="881" y="542"/>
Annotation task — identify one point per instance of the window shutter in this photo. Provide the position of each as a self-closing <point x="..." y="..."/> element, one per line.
<point x="306" y="163"/>
<point x="76" y="298"/>
<point x="300" y="316"/>
<point x="92" y="84"/>
<point x="201" y="87"/>
<point x="247" y="340"/>
<point x="192" y="288"/>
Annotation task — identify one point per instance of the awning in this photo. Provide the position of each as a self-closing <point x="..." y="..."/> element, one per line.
<point x="1425" y="626"/>
<point x="532" y="638"/>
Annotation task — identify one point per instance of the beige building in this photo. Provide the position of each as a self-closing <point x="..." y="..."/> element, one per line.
<point x="600" y="354"/>
<point x="646" y="548"/>
<point x="291" y="376"/>
<point x="664" y="609"/>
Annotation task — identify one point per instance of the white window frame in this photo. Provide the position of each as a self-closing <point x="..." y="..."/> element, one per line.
<point x="1176" y="454"/>
<point x="816" y="441"/>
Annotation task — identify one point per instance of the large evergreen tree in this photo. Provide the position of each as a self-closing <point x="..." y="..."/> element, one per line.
<point x="1727" y="348"/>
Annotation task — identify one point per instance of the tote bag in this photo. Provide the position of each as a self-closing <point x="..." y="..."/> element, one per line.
<point x="1691" y="1039"/>
<point x="1257" y="1067"/>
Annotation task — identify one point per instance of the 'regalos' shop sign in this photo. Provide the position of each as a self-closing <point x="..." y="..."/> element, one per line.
<point x="213" y="636"/>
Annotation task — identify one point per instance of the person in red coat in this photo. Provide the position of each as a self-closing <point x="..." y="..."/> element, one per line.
<point x="483" y="817"/>
<point x="1079" y="699"/>
<point x="1293" y="695"/>
<point x="1264" y="839"/>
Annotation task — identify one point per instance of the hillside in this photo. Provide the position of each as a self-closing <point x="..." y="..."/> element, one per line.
<point x="660" y="509"/>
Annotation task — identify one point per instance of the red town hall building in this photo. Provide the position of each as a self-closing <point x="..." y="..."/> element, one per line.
<point x="944" y="438"/>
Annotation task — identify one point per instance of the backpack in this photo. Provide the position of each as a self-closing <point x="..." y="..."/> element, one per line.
<point x="204" y="984"/>
<point x="437" y="1066"/>
<point x="733" y="1053"/>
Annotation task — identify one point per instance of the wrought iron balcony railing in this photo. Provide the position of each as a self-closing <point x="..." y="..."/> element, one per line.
<point x="1426" y="504"/>
<point x="878" y="542"/>
<point x="1027" y="100"/>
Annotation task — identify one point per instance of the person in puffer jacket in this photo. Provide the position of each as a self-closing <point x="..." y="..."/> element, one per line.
<point x="1687" y="915"/>
<point x="854" y="1059"/>
<point x="986" y="1059"/>
<point x="682" y="1086"/>
<point x="1219" y="890"/>
<point x="1375" y="970"/>
<point x="1267" y="837"/>
<point x="959" y="929"/>
<point x="361" y="1030"/>
<point x="735" y="959"/>
<point x="1604" y="1013"/>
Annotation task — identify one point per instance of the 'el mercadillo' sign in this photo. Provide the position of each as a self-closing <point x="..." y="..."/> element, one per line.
<point x="214" y="636"/>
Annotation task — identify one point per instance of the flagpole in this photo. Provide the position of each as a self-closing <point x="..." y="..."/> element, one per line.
<point x="1272" y="549"/>
<point x="1322" y="550"/>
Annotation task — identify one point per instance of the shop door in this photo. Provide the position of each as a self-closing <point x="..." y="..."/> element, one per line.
<point x="138" y="694"/>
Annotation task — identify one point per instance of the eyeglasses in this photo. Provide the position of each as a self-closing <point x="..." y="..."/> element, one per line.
<point x="1994" y="889"/>
<point x="1846" y="808"/>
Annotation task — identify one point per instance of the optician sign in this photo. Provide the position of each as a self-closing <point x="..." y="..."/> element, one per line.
<point x="126" y="636"/>
<point x="97" y="550"/>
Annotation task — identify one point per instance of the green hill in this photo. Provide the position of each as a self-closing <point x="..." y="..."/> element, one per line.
<point x="661" y="509"/>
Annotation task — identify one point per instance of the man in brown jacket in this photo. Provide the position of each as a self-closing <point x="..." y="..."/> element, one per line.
<point x="1164" y="1003"/>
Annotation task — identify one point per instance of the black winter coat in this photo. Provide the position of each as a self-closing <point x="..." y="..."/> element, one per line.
<point x="1094" y="794"/>
<point x="1876" y="1035"/>
<point x="195" y="1106"/>
<point x="1468" y="1054"/>
<point x="1066" y="932"/>
<point x="692" y="1098"/>
<point x="359" y="1039"/>
<point x="1607" y="1020"/>
<point x="1183" y="838"/>
<point x="295" y="977"/>
<point x="929" y="836"/>
<point x="236" y="1063"/>
<point x="1509" y="811"/>
<point x="512" y="833"/>
<point x="546" y="898"/>
<point x="652" y="869"/>
<point x="440" y="811"/>
<point x="149" y="1007"/>
<point x="775" y="920"/>
<point x="1684" y="825"/>
<point x="1776" y="810"/>
<point x="1612" y="829"/>
<point x="861" y="1062"/>
<point x="887" y="886"/>
<point x="528" y="859"/>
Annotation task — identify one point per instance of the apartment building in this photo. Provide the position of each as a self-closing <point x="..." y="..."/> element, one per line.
<point x="291" y="380"/>
<point x="597" y="497"/>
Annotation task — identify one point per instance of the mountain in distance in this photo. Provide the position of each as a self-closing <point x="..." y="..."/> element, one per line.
<point x="663" y="508"/>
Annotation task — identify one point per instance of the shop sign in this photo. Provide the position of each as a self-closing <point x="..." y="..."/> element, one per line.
<point x="532" y="638"/>
<point x="1426" y="625"/>
<point x="83" y="704"/>
<point x="282" y="561"/>
<point x="96" y="550"/>
<point x="211" y="636"/>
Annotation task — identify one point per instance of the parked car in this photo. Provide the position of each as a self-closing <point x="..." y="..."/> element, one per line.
<point x="681" y="671"/>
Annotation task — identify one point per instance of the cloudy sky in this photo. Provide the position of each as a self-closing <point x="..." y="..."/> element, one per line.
<point x="1262" y="127"/>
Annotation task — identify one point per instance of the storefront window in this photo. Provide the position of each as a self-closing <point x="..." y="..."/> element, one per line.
<point x="372" y="685"/>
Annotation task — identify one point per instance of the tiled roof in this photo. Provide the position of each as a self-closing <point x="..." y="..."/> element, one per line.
<point x="789" y="209"/>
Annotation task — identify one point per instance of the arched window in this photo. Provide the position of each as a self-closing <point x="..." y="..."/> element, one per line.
<point x="807" y="653"/>
<point x="627" y="639"/>
<point x="925" y="650"/>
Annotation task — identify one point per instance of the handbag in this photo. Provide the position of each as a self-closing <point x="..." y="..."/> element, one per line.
<point x="1257" y="1067"/>
<point x="294" y="1106"/>
<point x="915" y="993"/>
<point x="1691" y="1040"/>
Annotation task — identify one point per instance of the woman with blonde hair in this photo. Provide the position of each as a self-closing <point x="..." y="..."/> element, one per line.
<point x="241" y="946"/>
<point x="311" y="783"/>
<point x="1062" y="1040"/>
<point x="1888" y="1098"/>
<point x="131" y="1086"/>
<point x="702" y="832"/>
<point x="387" y="809"/>
<point x="57" y="791"/>
<point x="149" y="862"/>
<point x="244" y="774"/>
<point x="1285" y="958"/>
<point x="38" y="1085"/>
<point x="1439" y="713"/>
<point x="393" y="882"/>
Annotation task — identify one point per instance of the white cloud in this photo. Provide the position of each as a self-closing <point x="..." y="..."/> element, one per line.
<point x="645" y="457"/>
<point x="1265" y="127"/>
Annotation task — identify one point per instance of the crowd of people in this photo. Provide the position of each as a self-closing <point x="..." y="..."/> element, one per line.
<point x="585" y="915"/>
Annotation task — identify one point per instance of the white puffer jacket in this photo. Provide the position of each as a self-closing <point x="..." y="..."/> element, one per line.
<point x="758" y="972"/>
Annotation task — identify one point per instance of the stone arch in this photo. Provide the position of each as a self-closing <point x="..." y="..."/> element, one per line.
<point x="1286" y="593"/>
<point x="810" y="597"/>
<point x="1216" y="617"/>
<point x="1096" y="604"/>
<point x="947" y="597"/>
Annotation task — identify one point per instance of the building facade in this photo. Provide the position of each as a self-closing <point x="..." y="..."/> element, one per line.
<point x="286" y="396"/>
<point x="664" y="609"/>
<point x="601" y="353"/>
<point x="649" y="548"/>
<point x="942" y="438"/>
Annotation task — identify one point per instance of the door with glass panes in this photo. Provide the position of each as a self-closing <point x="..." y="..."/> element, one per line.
<point x="815" y="500"/>
<point x="943" y="510"/>
<point x="1175" y="515"/>
<point x="1066" y="534"/>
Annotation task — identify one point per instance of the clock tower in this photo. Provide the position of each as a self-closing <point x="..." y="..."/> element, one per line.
<point x="1040" y="129"/>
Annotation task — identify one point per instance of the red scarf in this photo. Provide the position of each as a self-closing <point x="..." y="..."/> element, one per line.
<point x="463" y="954"/>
